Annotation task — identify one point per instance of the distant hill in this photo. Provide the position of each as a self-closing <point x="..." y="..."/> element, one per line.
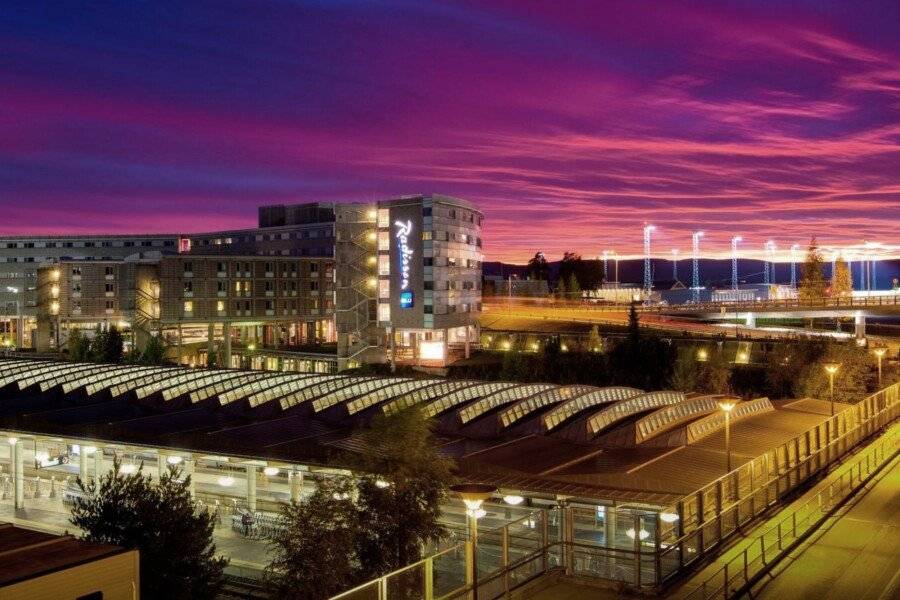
<point x="713" y="272"/>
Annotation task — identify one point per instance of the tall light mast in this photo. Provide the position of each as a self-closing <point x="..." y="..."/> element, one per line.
<point x="695" y="275"/>
<point x="675" y="264"/>
<point x="770" y="262"/>
<point x="605" y="266"/>
<point x="734" y="258"/>
<point x="648" y="277"/>
<point x="794" y="249"/>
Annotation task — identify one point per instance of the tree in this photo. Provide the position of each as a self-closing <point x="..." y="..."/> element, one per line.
<point x="812" y="284"/>
<point x="595" y="342"/>
<point x="634" y="324"/>
<point x="685" y="375"/>
<point x="154" y="352"/>
<point x="79" y="346"/>
<point x="538" y="267"/>
<point x="574" y="287"/>
<point x="842" y="282"/>
<point x="851" y="381"/>
<point x="561" y="289"/>
<point x="715" y="374"/>
<point x="108" y="346"/>
<point x="177" y="554"/>
<point x="313" y="553"/>
<point x="400" y="494"/>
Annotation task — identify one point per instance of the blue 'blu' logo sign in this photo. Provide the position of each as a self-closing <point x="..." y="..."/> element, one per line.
<point x="406" y="299"/>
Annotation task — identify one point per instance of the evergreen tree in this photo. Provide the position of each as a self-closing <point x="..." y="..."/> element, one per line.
<point x="851" y="383"/>
<point x="595" y="343"/>
<point x="574" y="287"/>
<point x="313" y="555"/>
<point x="79" y="346"/>
<point x="634" y="324"/>
<point x="177" y="554"/>
<point x="685" y="376"/>
<point x="108" y="346"/>
<point x="561" y="289"/>
<point x="715" y="374"/>
<point x="812" y="284"/>
<point x="842" y="282"/>
<point x="400" y="497"/>
<point x="154" y="352"/>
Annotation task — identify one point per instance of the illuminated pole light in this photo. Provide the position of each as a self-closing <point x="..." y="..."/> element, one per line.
<point x="831" y="369"/>
<point x="648" y="277"/>
<point x="606" y="265"/>
<point x="727" y="406"/>
<point x="675" y="264"/>
<point x="879" y="354"/>
<point x="695" y="275"/>
<point x="734" y="260"/>
<point x="473" y="496"/>
<point x="794" y="249"/>
<point x="769" y="267"/>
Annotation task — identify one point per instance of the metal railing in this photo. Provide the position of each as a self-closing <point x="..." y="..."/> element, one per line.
<point x="766" y="549"/>
<point x="713" y="513"/>
<point x="641" y="548"/>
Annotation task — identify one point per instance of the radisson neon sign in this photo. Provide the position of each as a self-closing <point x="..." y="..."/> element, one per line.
<point x="404" y="252"/>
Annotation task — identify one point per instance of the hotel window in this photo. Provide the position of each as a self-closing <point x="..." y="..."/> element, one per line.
<point x="426" y="211"/>
<point x="76" y="287"/>
<point x="452" y="213"/>
<point x="188" y="287"/>
<point x="384" y="240"/>
<point x="109" y="304"/>
<point x="428" y="261"/>
<point x="314" y="267"/>
<point x="428" y="309"/>
<point x="384" y="288"/>
<point x="220" y="286"/>
<point x="426" y="235"/>
<point x="188" y="267"/>
<point x="189" y="306"/>
<point x="108" y="271"/>
<point x="384" y="218"/>
<point x="384" y="312"/>
<point x="220" y="306"/>
<point x="76" y="271"/>
<point x="270" y="305"/>
<point x="110" y="288"/>
<point x="384" y="264"/>
<point x="428" y="285"/>
<point x="314" y="286"/>
<point x="220" y="267"/>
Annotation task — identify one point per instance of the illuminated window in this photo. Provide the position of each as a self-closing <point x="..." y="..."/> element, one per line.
<point x="384" y="218"/>
<point x="189" y="306"/>
<point x="220" y="306"/>
<point x="384" y="264"/>
<point x="384" y="288"/>
<point x="384" y="240"/>
<point x="384" y="312"/>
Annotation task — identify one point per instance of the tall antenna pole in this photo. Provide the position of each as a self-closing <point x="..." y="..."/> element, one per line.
<point x="770" y="261"/>
<point x="695" y="275"/>
<point x="734" y="258"/>
<point x="648" y="277"/>
<point x="794" y="250"/>
<point x="675" y="264"/>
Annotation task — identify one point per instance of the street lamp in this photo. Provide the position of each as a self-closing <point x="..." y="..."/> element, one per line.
<point x="831" y="369"/>
<point x="727" y="406"/>
<point x="879" y="354"/>
<point x="473" y="496"/>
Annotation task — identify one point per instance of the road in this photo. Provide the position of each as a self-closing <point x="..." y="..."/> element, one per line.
<point x="856" y="555"/>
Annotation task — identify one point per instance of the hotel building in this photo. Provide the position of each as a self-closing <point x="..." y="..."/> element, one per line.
<point x="315" y="287"/>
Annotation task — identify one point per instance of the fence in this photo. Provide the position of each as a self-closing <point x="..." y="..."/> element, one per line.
<point x="742" y="571"/>
<point x="642" y="548"/>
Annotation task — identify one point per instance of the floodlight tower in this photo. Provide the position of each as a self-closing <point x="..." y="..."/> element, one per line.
<point x="734" y="257"/>
<point x="695" y="275"/>
<point x="648" y="277"/>
<point x="605" y="266"/>
<point x="794" y="249"/>
<point x="675" y="264"/>
<point x="770" y="261"/>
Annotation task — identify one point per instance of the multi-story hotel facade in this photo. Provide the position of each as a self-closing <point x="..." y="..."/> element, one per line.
<point x="344" y="284"/>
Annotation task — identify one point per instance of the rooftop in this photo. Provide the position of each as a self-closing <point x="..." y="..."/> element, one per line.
<point x="28" y="553"/>
<point x="603" y="443"/>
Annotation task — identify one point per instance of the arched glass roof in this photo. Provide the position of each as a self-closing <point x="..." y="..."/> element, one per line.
<point x="492" y="401"/>
<point x="664" y="418"/>
<point x="593" y="398"/>
<point x="542" y="400"/>
<point x="631" y="406"/>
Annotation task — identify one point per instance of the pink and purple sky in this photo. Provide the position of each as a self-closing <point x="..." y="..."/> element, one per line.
<point x="570" y="123"/>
